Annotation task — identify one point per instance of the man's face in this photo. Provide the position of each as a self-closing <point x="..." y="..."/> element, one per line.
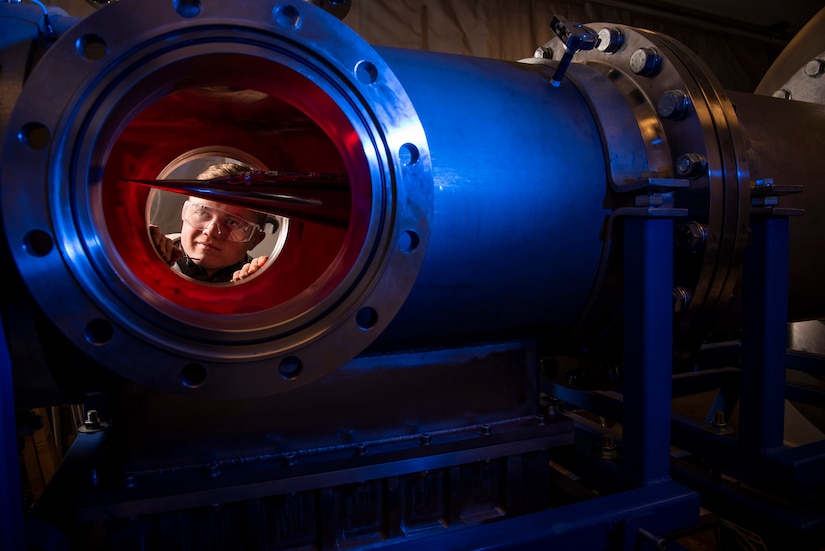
<point x="206" y="229"/>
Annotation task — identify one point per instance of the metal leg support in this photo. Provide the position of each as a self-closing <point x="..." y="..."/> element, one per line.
<point x="11" y="501"/>
<point x="764" y="336"/>
<point x="648" y="342"/>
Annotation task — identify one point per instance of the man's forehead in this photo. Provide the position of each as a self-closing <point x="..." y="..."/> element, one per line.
<point x="229" y="209"/>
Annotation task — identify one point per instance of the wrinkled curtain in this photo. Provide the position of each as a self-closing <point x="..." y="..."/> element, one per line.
<point x="513" y="29"/>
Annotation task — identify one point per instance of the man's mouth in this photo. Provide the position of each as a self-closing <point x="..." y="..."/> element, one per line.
<point x="207" y="246"/>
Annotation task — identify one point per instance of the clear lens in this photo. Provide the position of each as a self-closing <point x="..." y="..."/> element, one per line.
<point x="230" y="227"/>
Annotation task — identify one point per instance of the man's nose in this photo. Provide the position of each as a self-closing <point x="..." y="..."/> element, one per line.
<point x="213" y="229"/>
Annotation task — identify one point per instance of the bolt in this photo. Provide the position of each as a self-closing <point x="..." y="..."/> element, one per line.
<point x="610" y="40"/>
<point x="651" y="200"/>
<point x="553" y="406"/>
<point x="719" y="422"/>
<point x="658" y="542"/>
<point x="608" y="448"/>
<point x="213" y="469"/>
<point x="645" y="61"/>
<point x="425" y="439"/>
<point x="782" y="94"/>
<point x="691" y="236"/>
<point x="815" y="68"/>
<point x="485" y="430"/>
<point x="767" y="201"/>
<point x="290" y="459"/>
<point x="719" y="425"/>
<point x="673" y="104"/>
<point x="360" y="450"/>
<point x="543" y="52"/>
<point x="691" y="165"/>
<point x="92" y="420"/>
<point x="681" y="299"/>
<point x="129" y="481"/>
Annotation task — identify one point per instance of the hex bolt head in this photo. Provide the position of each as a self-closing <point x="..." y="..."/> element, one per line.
<point x="681" y="300"/>
<point x="691" y="236"/>
<point x="645" y="61"/>
<point x="129" y="481"/>
<point x="782" y="94"/>
<point x="610" y="40"/>
<point x="607" y="450"/>
<point x="543" y="52"/>
<point x="719" y="420"/>
<point x="92" y="420"/>
<point x="673" y="104"/>
<point x="815" y="68"/>
<point x="691" y="165"/>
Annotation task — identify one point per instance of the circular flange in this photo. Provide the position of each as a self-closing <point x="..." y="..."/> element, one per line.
<point x="648" y="67"/>
<point x="76" y="231"/>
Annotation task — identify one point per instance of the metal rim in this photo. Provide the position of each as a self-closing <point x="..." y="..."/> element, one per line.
<point x="56" y="209"/>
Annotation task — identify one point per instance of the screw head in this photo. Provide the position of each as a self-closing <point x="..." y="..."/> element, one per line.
<point x="681" y="300"/>
<point x="691" y="236"/>
<point x="543" y="52"/>
<point x="815" y="68"/>
<point x="645" y="61"/>
<point x="673" y="104"/>
<point x="610" y="40"/>
<point x="691" y="165"/>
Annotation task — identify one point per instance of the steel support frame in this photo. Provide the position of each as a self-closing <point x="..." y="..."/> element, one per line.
<point x="648" y="347"/>
<point x="644" y="405"/>
<point x="11" y="500"/>
<point x="757" y="454"/>
<point x="764" y="335"/>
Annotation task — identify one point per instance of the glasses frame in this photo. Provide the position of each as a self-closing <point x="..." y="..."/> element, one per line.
<point x="223" y="232"/>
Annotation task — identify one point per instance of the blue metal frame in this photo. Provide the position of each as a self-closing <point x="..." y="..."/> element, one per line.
<point x="11" y="504"/>
<point x="645" y="406"/>
<point x="757" y="453"/>
<point x="648" y="347"/>
<point x="764" y="335"/>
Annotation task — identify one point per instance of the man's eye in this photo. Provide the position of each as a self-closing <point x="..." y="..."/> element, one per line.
<point x="232" y="223"/>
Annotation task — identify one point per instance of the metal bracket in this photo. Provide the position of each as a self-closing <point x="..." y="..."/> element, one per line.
<point x="575" y="37"/>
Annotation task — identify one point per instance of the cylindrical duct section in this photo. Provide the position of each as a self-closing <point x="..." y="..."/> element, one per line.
<point x="517" y="206"/>
<point x="520" y="201"/>
<point x="475" y="199"/>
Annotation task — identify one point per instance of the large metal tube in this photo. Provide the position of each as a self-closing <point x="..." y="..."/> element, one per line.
<point x="483" y="200"/>
<point x="519" y="198"/>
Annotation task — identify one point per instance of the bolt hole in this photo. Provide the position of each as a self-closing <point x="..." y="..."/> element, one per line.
<point x="92" y="47"/>
<point x="34" y="135"/>
<point x="38" y="243"/>
<point x="366" y="318"/>
<point x="99" y="332"/>
<point x="408" y="241"/>
<point x="290" y="368"/>
<point x="187" y="8"/>
<point x="193" y="375"/>
<point x="366" y="72"/>
<point x="408" y="154"/>
<point x="286" y="17"/>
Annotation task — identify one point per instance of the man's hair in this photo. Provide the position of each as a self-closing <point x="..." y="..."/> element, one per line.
<point x="223" y="169"/>
<point x="231" y="169"/>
